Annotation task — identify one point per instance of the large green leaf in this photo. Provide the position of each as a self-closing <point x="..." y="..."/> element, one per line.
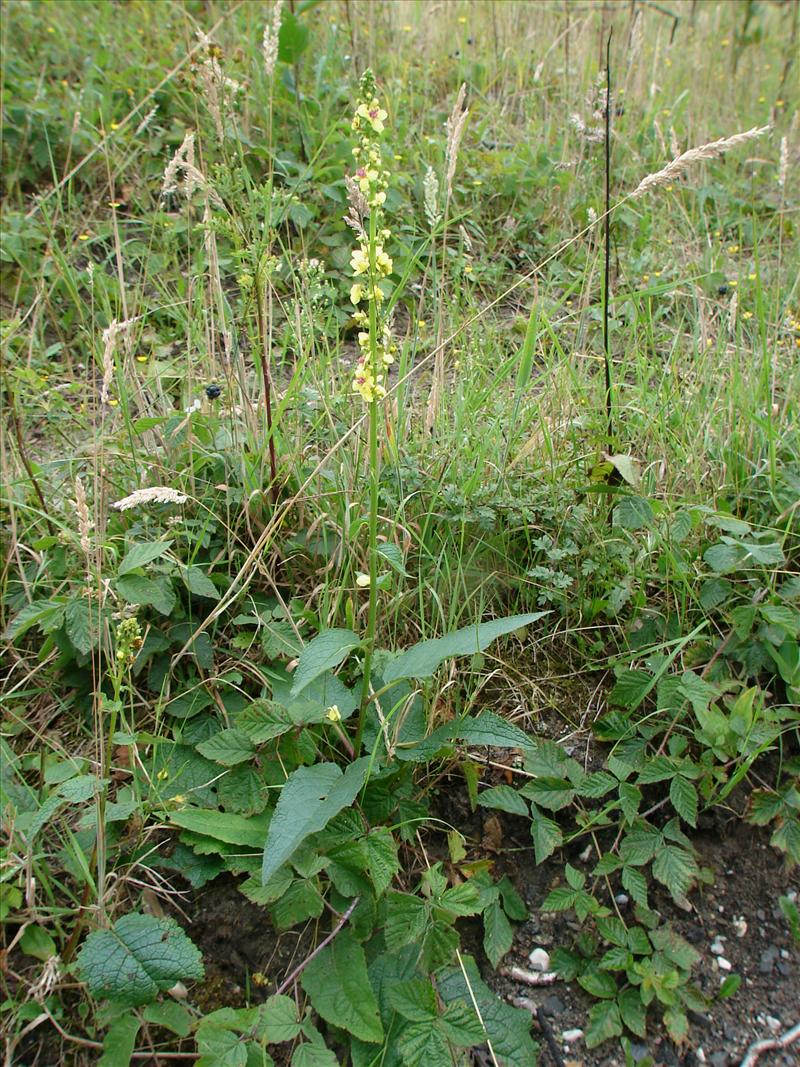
<point x="423" y="659"/>
<point x="507" y="1028"/>
<point x="137" y="958"/>
<point x="222" y="826"/>
<point x="338" y="986"/>
<point x="326" y="651"/>
<point x="139" y="555"/>
<point x="308" y="801"/>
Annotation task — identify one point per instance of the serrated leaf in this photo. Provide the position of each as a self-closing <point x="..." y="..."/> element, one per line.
<point x="277" y="1020"/>
<point x="503" y="798"/>
<point x="604" y="1023"/>
<point x="676" y="869"/>
<point x="423" y="659"/>
<point x="47" y="615"/>
<point x="119" y="1042"/>
<point x="80" y="627"/>
<point x="139" y="555"/>
<point x="632" y="1011"/>
<point x="228" y="747"/>
<point x="198" y="582"/>
<point x="490" y="729"/>
<point x="636" y="884"/>
<point x="137" y="958"/>
<point x="547" y="836"/>
<point x="548" y="792"/>
<point x="683" y="796"/>
<point x="631" y="687"/>
<point x="338" y="986"/>
<point x="243" y="791"/>
<point x="171" y="1016"/>
<point x="406" y="920"/>
<point x="323" y="653"/>
<point x="506" y="1027"/>
<point x="598" y="983"/>
<point x="414" y="999"/>
<point x="633" y="513"/>
<point x="308" y="801"/>
<point x="382" y="862"/>
<point x="596" y="785"/>
<point x="787" y="839"/>
<point x="498" y="935"/>
<point x="394" y="557"/>
<point x="308" y="1055"/>
<point x="140" y="590"/>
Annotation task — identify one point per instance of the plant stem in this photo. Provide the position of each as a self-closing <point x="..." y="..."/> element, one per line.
<point x="373" y="494"/>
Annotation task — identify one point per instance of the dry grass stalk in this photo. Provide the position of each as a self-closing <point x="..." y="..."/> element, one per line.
<point x="712" y="150"/>
<point x="82" y="511"/>
<point x="110" y="334"/>
<point x="783" y="164"/>
<point x="269" y="44"/>
<point x="455" y="131"/>
<point x="158" y="494"/>
<point x="182" y="174"/>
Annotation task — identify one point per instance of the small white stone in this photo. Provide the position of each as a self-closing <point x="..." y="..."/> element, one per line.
<point x="539" y="960"/>
<point x="569" y="1037"/>
<point x="717" y="947"/>
<point x="622" y="899"/>
<point x="701" y="1056"/>
<point x="723" y="964"/>
<point x="740" y="926"/>
<point x="785" y="954"/>
<point x="791" y="896"/>
<point x="773" y="1023"/>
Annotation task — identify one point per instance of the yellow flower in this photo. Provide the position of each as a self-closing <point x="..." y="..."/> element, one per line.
<point x="733" y="249"/>
<point x="356" y="293"/>
<point x="362" y="581"/>
<point x="115" y="125"/>
<point x="84" y="236"/>
<point x="406" y="28"/>
<point x="747" y="314"/>
<point x="141" y="359"/>
<point x="113" y="402"/>
<point x="383" y="262"/>
<point x="477" y="181"/>
<point x="752" y="276"/>
<point x="359" y="261"/>
<point x="333" y="713"/>
<point x="462" y="20"/>
<point x="374" y="114"/>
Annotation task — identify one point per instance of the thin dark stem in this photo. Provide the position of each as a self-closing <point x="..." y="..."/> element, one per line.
<point x="288" y="982"/>
<point x="549" y="1037"/>
<point x="263" y="343"/>
<point x="607" y="266"/>
<point x="16" y="422"/>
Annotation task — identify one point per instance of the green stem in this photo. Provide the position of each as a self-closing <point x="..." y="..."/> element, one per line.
<point x="372" y="615"/>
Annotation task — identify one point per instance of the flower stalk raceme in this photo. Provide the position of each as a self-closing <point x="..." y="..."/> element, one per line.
<point x="370" y="263"/>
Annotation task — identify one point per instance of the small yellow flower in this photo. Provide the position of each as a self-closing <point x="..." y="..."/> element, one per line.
<point x="733" y="249"/>
<point x="468" y="269"/>
<point x="477" y="181"/>
<point x="733" y="283"/>
<point x="747" y="314"/>
<point x="406" y="28"/>
<point x="141" y="359"/>
<point x="359" y="261"/>
<point x="51" y="29"/>
<point x="725" y="42"/>
<point x="462" y="20"/>
<point x="257" y="978"/>
<point x="179" y="799"/>
<point x="333" y="713"/>
<point x="398" y="157"/>
<point x="362" y="581"/>
<point x="356" y="293"/>
<point x="779" y="103"/>
<point x="718" y="233"/>
<point x="752" y="276"/>
<point x="114" y="203"/>
<point x="163" y="774"/>
<point x="668" y="188"/>
<point x="568" y="303"/>
<point x="115" y="125"/>
<point x="422" y="324"/>
<point x="645" y="278"/>
<point x="657" y="273"/>
<point x="84" y="236"/>
<point x="762" y="99"/>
